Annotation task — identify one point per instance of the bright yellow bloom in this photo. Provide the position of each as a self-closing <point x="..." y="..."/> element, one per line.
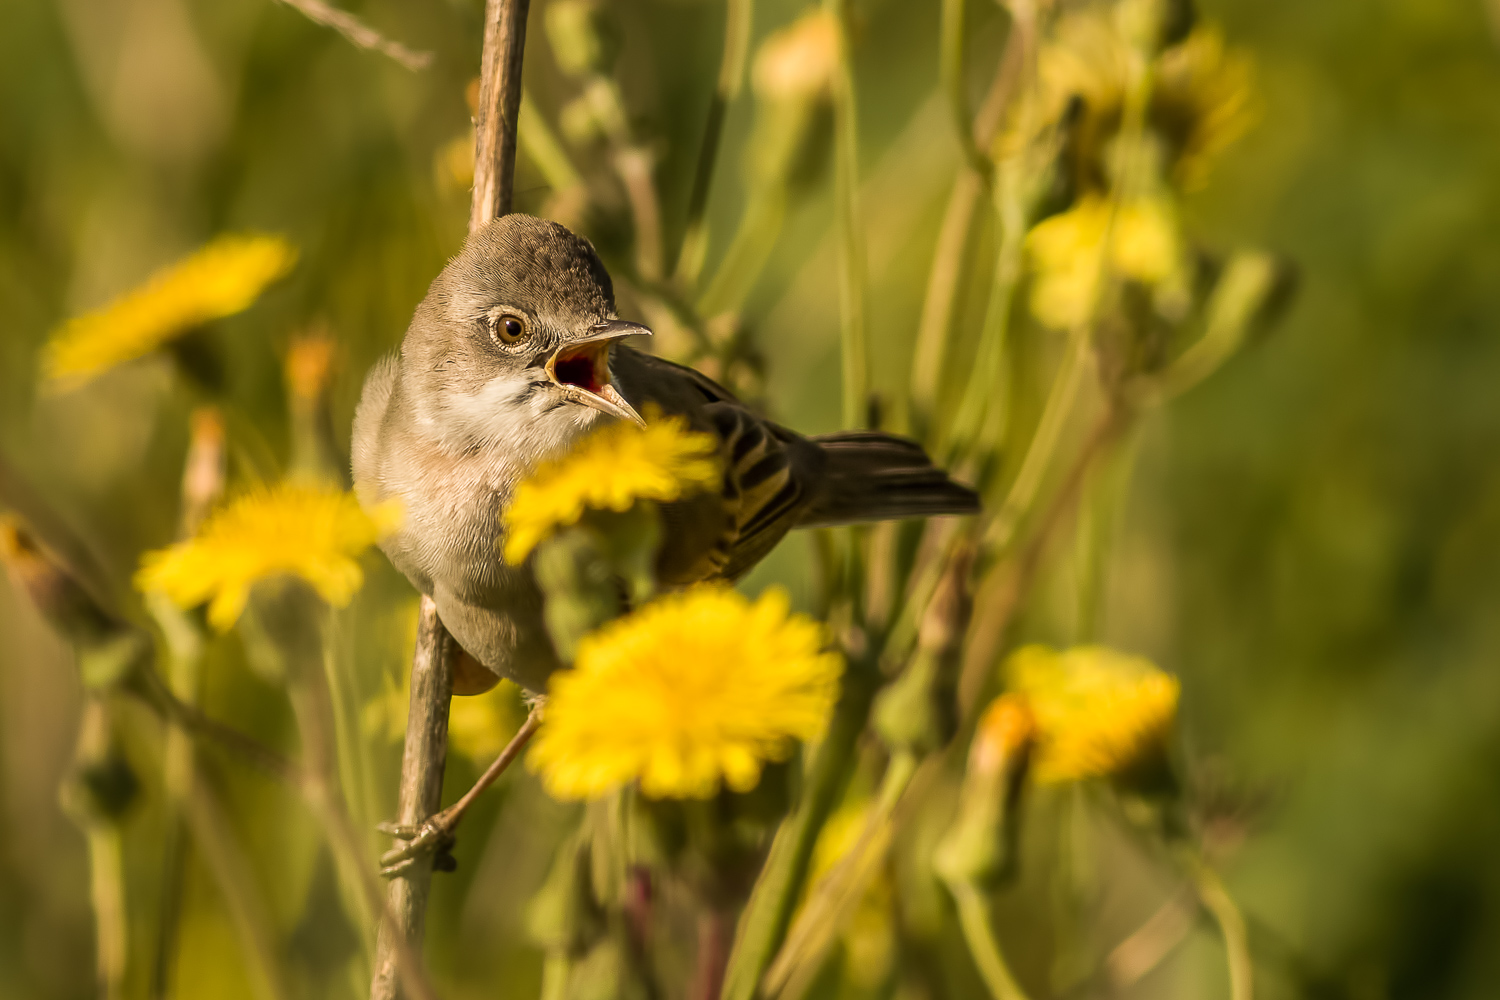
<point x="610" y="469"/>
<point x="694" y="689"/>
<point x="1067" y="251"/>
<point x="1099" y="713"/>
<point x="307" y="531"/>
<point x="221" y="279"/>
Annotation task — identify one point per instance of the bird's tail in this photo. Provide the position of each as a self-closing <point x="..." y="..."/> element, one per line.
<point x="868" y="476"/>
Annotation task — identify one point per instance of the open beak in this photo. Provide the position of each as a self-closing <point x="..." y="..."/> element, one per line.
<point x="581" y="369"/>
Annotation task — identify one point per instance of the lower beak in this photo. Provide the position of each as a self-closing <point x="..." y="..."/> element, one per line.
<point x="581" y="370"/>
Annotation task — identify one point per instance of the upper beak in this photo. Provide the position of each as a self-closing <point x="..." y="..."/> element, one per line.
<point x="581" y="369"/>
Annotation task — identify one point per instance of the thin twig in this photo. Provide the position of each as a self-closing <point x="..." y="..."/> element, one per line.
<point x="499" y="108"/>
<point x="1129" y="961"/>
<point x="359" y="33"/>
<point x="422" y="762"/>
<point x="439" y="829"/>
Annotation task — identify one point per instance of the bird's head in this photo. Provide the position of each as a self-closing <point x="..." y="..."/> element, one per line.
<point x="513" y="340"/>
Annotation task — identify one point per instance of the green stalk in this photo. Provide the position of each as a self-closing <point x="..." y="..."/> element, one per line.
<point x="1215" y="896"/>
<point x="738" y="17"/>
<point x="833" y="899"/>
<point x="984" y="395"/>
<point x="1044" y="441"/>
<point x="974" y="920"/>
<point x="764" y="922"/>
<point x="853" y="332"/>
<point x="951" y="69"/>
<point x="543" y="148"/>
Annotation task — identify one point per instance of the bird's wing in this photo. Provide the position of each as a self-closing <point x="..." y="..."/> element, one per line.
<point x="766" y="484"/>
<point x="768" y="474"/>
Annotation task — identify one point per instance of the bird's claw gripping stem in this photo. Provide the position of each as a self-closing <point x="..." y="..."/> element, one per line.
<point x="435" y="836"/>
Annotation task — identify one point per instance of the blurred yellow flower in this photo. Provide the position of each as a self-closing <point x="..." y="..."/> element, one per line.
<point x="798" y="61"/>
<point x="479" y="726"/>
<point x="221" y="279"/>
<point x="1200" y="101"/>
<point x="610" y="469"/>
<point x="307" y="531"/>
<point x="1067" y="252"/>
<point x="1099" y="713"/>
<point x="694" y="689"/>
<point x="1203" y="101"/>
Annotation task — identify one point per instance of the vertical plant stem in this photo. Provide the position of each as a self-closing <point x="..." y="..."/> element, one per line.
<point x="422" y="762"/>
<point x="764" y="922"/>
<point x="984" y="395"/>
<point x="226" y="862"/>
<point x="950" y="259"/>
<point x="738" y="16"/>
<point x="101" y="829"/>
<point x="107" y="894"/>
<point x="425" y="754"/>
<point x="714" y="929"/>
<point x="499" y="108"/>
<point x="852" y="326"/>
<point x="974" y="920"/>
<point x="1216" y="897"/>
<point x="1038" y="460"/>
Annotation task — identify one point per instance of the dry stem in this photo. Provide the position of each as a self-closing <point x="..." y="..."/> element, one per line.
<point x="359" y="33"/>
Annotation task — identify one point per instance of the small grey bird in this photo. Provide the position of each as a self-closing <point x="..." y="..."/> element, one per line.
<point x="512" y="356"/>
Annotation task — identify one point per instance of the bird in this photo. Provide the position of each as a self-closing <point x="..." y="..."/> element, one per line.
<point x="515" y="353"/>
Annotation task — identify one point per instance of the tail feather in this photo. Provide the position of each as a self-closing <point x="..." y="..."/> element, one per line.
<point x="869" y="476"/>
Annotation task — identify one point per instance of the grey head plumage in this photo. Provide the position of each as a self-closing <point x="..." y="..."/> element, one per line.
<point x="515" y="328"/>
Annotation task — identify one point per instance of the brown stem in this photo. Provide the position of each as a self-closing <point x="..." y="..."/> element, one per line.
<point x="440" y="828"/>
<point x="422" y="762"/>
<point x="359" y="33"/>
<point x="714" y="929"/>
<point x="426" y="749"/>
<point x="499" y="107"/>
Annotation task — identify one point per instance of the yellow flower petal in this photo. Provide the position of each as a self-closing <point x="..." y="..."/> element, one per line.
<point x="223" y="278"/>
<point x="306" y="531"/>
<point x="1098" y="712"/>
<point x="694" y="690"/>
<point x="610" y="469"/>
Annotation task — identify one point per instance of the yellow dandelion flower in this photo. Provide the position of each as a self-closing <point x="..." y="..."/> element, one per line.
<point x="694" y="689"/>
<point x="1099" y="713"/>
<point x="610" y="469"/>
<point x="221" y="279"/>
<point x="1067" y="251"/>
<point x="1203" y="101"/>
<point x="306" y="531"/>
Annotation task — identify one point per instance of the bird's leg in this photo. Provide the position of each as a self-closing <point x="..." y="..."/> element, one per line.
<point x="435" y="834"/>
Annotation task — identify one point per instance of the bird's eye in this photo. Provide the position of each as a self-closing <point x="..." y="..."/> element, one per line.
<point x="510" y="329"/>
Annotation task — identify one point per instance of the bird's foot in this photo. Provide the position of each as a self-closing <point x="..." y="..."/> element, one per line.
<point x="433" y="836"/>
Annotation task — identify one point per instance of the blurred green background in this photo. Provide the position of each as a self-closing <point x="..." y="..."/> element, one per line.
<point x="1310" y="540"/>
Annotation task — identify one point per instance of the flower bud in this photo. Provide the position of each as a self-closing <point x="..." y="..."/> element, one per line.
<point x="981" y="845"/>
